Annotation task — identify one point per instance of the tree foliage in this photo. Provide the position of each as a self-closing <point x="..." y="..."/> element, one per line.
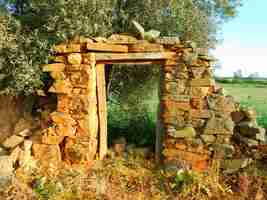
<point x="28" y="29"/>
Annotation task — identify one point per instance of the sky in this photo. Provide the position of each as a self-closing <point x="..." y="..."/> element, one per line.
<point x="244" y="44"/>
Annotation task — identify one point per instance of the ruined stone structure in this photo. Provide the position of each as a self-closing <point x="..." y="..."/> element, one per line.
<point x="195" y="117"/>
<point x="196" y="121"/>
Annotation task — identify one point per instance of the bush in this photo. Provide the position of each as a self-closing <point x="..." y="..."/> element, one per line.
<point x="138" y="127"/>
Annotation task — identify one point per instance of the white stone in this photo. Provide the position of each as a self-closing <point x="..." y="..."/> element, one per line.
<point x="6" y="166"/>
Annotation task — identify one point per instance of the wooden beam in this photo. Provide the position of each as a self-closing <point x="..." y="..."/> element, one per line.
<point x="159" y="124"/>
<point x="134" y="56"/>
<point x="106" y="47"/>
<point x="102" y="110"/>
<point x="134" y="62"/>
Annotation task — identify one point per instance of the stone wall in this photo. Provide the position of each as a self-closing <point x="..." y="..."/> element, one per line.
<point x="200" y="122"/>
<point x="74" y="125"/>
<point x="197" y="121"/>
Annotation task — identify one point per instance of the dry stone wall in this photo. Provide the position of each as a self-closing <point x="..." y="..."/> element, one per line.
<point x="200" y="122"/>
<point x="197" y="121"/>
<point x="75" y="122"/>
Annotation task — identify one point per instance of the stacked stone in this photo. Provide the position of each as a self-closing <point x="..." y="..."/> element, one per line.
<point x="74" y="123"/>
<point x="247" y="131"/>
<point x="196" y="114"/>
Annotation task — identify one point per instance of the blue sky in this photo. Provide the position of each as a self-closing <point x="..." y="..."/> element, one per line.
<point x="244" y="44"/>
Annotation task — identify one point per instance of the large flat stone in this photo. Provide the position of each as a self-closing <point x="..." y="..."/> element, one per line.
<point x="6" y="166"/>
<point x="233" y="165"/>
<point x="248" y="128"/>
<point x="184" y="133"/>
<point x="208" y="138"/>
<point x="13" y="141"/>
<point x="48" y="156"/>
<point x="51" y="136"/>
<point x="75" y="59"/>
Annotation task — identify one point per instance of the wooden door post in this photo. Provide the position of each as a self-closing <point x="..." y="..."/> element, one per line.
<point x="102" y="109"/>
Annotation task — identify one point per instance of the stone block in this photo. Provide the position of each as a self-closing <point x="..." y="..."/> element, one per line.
<point x="169" y="76"/>
<point x="56" y="67"/>
<point x="68" y="130"/>
<point x="15" y="155"/>
<point x="13" y="141"/>
<point x="75" y="59"/>
<point x="200" y="114"/>
<point x="216" y="125"/>
<point x="79" y="79"/>
<point x="73" y="48"/>
<point x="170" y="104"/>
<point x="61" y="87"/>
<point x="237" y="116"/>
<point x="80" y="104"/>
<point x="202" y="82"/>
<point x="88" y="126"/>
<point x="63" y="102"/>
<point x="250" y="113"/>
<point x="58" y="75"/>
<point x="121" y="39"/>
<point x="244" y="140"/>
<point x="233" y="165"/>
<point x="201" y="166"/>
<point x="198" y="72"/>
<point x="208" y="138"/>
<point x="184" y="155"/>
<point x="261" y="136"/>
<point x="198" y="103"/>
<point x="51" y="136"/>
<point x="197" y="123"/>
<point x="223" y="105"/>
<point x="6" y="166"/>
<point x="59" y="59"/>
<point x="25" y="133"/>
<point x="48" y="156"/>
<point x="169" y="120"/>
<point x="248" y="128"/>
<point x="170" y="68"/>
<point x="222" y="150"/>
<point x="181" y="146"/>
<point x="62" y="48"/>
<point x="22" y="127"/>
<point x="184" y="133"/>
<point x="223" y="139"/>
<point x="62" y="118"/>
<point x="198" y="91"/>
<point x="81" y="150"/>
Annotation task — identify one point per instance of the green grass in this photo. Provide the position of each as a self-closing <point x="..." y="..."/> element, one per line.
<point x="253" y="94"/>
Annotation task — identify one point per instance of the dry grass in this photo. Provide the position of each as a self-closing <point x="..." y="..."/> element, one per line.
<point x="134" y="178"/>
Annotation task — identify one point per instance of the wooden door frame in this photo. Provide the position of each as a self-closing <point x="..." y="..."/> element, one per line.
<point x="101" y="60"/>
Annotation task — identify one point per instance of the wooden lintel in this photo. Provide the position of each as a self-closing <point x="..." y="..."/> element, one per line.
<point x="107" y="47"/>
<point x="134" y="56"/>
<point x="134" y="62"/>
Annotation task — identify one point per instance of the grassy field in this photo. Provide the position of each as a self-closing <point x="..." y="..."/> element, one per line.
<point x="252" y="94"/>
